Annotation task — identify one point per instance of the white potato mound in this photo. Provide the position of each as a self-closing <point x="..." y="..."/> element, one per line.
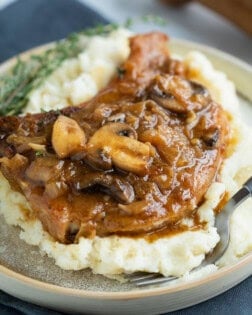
<point x="77" y="81"/>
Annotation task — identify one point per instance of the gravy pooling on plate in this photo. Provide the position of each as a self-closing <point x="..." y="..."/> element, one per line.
<point x="135" y="159"/>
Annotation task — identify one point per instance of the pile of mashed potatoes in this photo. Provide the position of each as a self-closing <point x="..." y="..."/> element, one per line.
<point x="78" y="80"/>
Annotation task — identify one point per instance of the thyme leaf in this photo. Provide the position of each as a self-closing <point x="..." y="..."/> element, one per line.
<point x="39" y="153"/>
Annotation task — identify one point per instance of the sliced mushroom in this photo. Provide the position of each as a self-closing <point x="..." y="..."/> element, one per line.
<point x="117" y="187"/>
<point x="116" y="144"/>
<point x="179" y="95"/>
<point x="67" y="137"/>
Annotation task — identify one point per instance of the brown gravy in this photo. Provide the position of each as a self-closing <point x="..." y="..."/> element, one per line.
<point x="134" y="160"/>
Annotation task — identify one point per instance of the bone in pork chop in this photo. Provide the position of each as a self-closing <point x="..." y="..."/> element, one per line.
<point x="136" y="158"/>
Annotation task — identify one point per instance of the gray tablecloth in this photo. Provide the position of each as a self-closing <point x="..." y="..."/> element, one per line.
<point x="28" y="23"/>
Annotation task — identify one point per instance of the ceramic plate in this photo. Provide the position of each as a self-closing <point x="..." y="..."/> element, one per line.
<point x="26" y="274"/>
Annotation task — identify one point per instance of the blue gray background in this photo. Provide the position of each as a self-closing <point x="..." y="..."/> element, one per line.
<point x="28" y="23"/>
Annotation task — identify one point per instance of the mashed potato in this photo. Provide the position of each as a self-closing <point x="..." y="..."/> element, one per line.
<point x="77" y="81"/>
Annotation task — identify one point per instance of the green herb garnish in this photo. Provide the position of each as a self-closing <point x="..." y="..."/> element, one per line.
<point x="27" y="75"/>
<point x="39" y="153"/>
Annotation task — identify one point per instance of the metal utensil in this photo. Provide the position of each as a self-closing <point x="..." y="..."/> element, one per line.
<point x="222" y="223"/>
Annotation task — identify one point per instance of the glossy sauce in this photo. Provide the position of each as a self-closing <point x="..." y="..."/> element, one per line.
<point x="154" y="144"/>
<point x="224" y="199"/>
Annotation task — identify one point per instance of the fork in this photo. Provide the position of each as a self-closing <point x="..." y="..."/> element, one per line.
<point x="222" y="223"/>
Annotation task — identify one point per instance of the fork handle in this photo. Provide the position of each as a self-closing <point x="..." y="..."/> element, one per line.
<point x="242" y="194"/>
<point x="248" y="185"/>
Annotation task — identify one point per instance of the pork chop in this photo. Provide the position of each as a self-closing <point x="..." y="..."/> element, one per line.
<point x="136" y="158"/>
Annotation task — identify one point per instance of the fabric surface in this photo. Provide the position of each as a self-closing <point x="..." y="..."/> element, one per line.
<point x="28" y="23"/>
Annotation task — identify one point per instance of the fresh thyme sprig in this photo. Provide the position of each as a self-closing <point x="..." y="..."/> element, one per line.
<point x="25" y="76"/>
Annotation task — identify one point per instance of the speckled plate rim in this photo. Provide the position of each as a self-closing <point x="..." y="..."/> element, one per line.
<point x="222" y="61"/>
<point x="51" y="288"/>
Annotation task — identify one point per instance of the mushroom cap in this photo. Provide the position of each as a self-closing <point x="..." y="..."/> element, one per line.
<point x="116" y="144"/>
<point x="117" y="187"/>
<point x="179" y="95"/>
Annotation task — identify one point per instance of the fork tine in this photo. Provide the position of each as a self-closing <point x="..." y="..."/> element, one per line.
<point x="144" y="279"/>
<point x="136" y="278"/>
<point x="156" y="280"/>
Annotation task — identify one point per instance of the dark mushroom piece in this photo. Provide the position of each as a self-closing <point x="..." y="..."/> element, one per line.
<point x="115" y="144"/>
<point x="179" y="95"/>
<point x="211" y="137"/>
<point x="117" y="187"/>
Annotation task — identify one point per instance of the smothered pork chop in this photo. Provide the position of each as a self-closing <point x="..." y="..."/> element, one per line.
<point x="130" y="170"/>
<point x="135" y="159"/>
